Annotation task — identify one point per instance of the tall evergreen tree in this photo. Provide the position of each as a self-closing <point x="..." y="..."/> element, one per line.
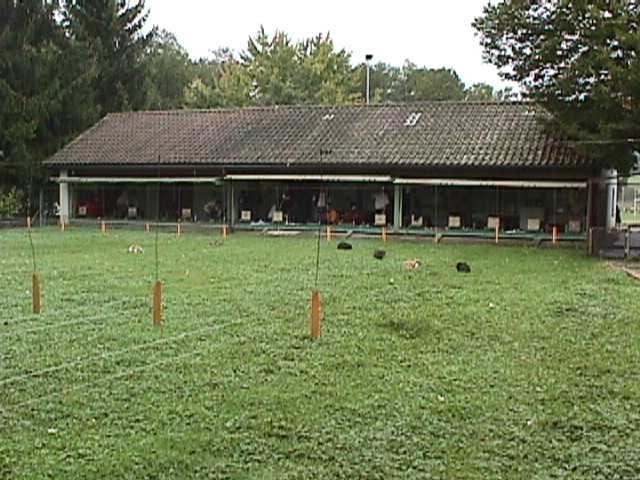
<point x="44" y="83"/>
<point x="113" y="31"/>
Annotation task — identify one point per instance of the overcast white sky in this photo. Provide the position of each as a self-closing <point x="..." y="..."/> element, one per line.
<point x="428" y="32"/>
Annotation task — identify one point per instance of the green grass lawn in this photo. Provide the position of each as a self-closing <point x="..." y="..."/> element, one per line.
<point x="527" y="368"/>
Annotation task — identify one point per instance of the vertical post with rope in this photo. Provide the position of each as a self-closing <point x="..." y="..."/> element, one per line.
<point x="316" y="308"/>
<point x="554" y="230"/>
<point x="36" y="278"/>
<point x="158" y="311"/>
<point x="435" y="214"/>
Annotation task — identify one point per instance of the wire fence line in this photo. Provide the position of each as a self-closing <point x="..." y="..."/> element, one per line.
<point x="98" y="330"/>
<point x="80" y="361"/>
<point x="138" y="307"/>
<point x="108" y="378"/>
<point x="87" y="321"/>
<point x="34" y="317"/>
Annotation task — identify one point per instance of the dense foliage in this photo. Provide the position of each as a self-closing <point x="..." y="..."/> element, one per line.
<point x="578" y="58"/>
<point x="10" y="202"/>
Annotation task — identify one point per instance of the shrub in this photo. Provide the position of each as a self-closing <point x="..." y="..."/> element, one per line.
<point x="10" y="202"/>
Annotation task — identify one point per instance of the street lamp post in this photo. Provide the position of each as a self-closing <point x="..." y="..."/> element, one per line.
<point x="368" y="58"/>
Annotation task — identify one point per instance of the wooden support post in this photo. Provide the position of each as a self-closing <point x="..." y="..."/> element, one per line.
<point x="225" y="232"/>
<point x="590" y="241"/>
<point x="178" y="230"/>
<point x="103" y="227"/>
<point x="28" y="221"/>
<point x="384" y="234"/>
<point x="627" y="244"/>
<point x="147" y="227"/>
<point x="498" y="231"/>
<point x="37" y="293"/>
<point x="554" y="235"/>
<point x="158" y="317"/>
<point x="328" y="233"/>
<point x="315" y="315"/>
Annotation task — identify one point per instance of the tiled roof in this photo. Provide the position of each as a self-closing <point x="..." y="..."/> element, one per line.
<point x="443" y="134"/>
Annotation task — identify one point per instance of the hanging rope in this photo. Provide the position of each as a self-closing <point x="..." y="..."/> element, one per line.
<point x="321" y="192"/>
<point x="157" y="227"/>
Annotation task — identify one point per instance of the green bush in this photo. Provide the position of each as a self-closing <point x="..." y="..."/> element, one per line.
<point x="10" y="202"/>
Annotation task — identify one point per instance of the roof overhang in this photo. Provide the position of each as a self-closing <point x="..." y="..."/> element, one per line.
<point x="214" y="180"/>
<point x="456" y="182"/>
<point x="311" y="178"/>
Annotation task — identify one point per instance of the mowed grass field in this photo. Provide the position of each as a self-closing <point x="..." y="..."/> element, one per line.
<point x="527" y="368"/>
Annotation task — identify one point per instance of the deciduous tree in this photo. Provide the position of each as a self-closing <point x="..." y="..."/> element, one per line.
<point x="578" y="58"/>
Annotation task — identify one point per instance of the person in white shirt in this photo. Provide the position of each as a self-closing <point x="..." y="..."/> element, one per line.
<point x="381" y="201"/>
<point x="320" y="202"/>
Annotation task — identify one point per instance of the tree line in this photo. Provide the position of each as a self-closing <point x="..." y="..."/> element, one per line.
<point x="66" y="63"/>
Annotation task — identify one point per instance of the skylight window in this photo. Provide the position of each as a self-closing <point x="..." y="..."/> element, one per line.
<point x="413" y="119"/>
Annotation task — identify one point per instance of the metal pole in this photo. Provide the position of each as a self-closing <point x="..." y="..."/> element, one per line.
<point x="368" y="58"/>
<point x="41" y="208"/>
<point x="368" y="77"/>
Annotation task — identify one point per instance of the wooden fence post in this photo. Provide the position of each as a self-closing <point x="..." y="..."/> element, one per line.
<point x="627" y="244"/>
<point x="315" y="315"/>
<point x="37" y="293"/>
<point x="158" y="316"/>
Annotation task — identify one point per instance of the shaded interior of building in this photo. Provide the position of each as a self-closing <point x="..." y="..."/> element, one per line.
<point x="342" y="204"/>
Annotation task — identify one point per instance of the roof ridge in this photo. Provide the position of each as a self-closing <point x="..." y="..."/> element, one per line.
<point x="262" y="108"/>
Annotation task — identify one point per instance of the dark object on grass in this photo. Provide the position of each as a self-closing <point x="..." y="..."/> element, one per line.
<point x="379" y="254"/>
<point x="344" y="246"/>
<point x="463" y="267"/>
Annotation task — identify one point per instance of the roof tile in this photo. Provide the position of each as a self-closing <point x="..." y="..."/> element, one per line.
<point x="446" y="134"/>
